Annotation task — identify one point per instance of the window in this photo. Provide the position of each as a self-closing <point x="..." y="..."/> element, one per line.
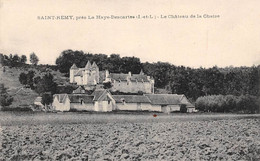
<point x="81" y="101"/>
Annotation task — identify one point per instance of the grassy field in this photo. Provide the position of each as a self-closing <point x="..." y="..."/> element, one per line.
<point x="129" y="136"/>
<point x="21" y="95"/>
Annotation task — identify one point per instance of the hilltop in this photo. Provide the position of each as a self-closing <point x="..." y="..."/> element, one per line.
<point x="22" y="95"/>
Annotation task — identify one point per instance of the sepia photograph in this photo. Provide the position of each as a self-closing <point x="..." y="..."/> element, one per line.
<point x="165" y="80"/>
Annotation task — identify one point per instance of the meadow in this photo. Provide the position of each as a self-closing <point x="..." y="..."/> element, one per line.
<point x="128" y="136"/>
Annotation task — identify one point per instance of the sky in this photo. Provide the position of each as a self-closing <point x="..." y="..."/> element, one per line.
<point x="233" y="39"/>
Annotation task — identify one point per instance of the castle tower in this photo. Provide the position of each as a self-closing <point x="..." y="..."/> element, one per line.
<point x="73" y="68"/>
<point x="87" y="73"/>
<point x="95" y="74"/>
<point x="141" y="72"/>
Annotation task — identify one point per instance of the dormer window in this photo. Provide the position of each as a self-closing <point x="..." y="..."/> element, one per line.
<point x="123" y="100"/>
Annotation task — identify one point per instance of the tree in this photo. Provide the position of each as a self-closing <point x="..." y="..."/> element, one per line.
<point x="23" y="59"/>
<point x="30" y="76"/>
<point x="34" y="59"/>
<point x="107" y="85"/>
<point x="46" y="84"/>
<point x="5" y="98"/>
<point x="23" y="78"/>
<point x="47" y="99"/>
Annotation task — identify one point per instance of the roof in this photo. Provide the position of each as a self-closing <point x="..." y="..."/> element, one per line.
<point x="131" y="98"/>
<point x="77" y="98"/>
<point x="74" y="66"/>
<point x="94" y="65"/>
<point x="88" y="65"/>
<point x="80" y="89"/>
<point x="38" y="99"/>
<point x="79" y="73"/>
<point x="169" y="99"/>
<point x="126" y="77"/>
<point x="185" y="101"/>
<point x="61" y="97"/>
<point x="99" y="93"/>
<point x="119" y="76"/>
<point x="139" y="78"/>
<point x="164" y="99"/>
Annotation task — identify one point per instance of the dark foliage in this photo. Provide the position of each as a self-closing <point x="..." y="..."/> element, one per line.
<point x="107" y="85"/>
<point x="228" y="103"/>
<point x="114" y="63"/>
<point x="177" y="79"/>
<point x="13" y="60"/>
<point x="5" y="98"/>
<point x="47" y="98"/>
<point x="66" y="89"/>
<point x="34" y="59"/>
<point x="46" y="84"/>
<point x="27" y="79"/>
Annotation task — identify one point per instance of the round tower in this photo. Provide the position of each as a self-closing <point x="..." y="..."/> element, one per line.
<point x="73" y="69"/>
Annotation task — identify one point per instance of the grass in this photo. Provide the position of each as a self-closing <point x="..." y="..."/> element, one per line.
<point x="30" y="118"/>
<point x="25" y="96"/>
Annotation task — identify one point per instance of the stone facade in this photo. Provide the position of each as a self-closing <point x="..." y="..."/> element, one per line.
<point x="127" y="83"/>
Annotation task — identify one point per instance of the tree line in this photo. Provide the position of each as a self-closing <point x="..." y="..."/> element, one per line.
<point x="14" y="60"/>
<point x="201" y="84"/>
<point x="193" y="82"/>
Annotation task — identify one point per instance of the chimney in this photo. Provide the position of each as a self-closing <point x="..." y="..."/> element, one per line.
<point x="130" y="74"/>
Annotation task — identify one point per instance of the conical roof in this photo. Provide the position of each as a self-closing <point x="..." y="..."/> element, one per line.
<point x="94" y="65"/>
<point x="88" y="65"/>
<point x="141" y="72"/>
<point x="73" y="66"/>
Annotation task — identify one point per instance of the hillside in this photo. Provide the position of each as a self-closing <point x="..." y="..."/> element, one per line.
<point x="24" y="96"/>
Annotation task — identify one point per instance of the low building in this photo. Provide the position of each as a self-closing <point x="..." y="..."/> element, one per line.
<point x="61" y="102"/>
<point x="38" y="102"/>
<point x="132" y="102"/>
<point x="168" y="102"/>
<point x="100" y="100"/>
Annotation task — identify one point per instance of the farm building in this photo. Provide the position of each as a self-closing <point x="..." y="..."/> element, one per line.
<point x="169" y="102"/>
<point x="38" y="102"/>
<point x="132" y="102"/>
<point x="99" y="100"/>
<point x="102" y="100"/>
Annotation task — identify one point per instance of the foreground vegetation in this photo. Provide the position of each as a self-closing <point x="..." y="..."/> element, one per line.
<point x="70" y="136"/>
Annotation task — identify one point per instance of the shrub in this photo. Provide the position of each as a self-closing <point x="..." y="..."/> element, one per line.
<point x="5" y="98"/>
<point x="228" y="103"/>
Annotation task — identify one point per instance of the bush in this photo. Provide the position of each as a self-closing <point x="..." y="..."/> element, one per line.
<point x="5" y="98"/>
<point x="228" y="103"/>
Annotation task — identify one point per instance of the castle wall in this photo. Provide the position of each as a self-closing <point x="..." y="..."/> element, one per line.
<point x="132" y="87"/>
<point x="79" y="80"/>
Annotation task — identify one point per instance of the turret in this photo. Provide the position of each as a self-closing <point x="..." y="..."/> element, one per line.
<point x="95" y="70"/>
<point x="73" y="68"/>
<point x="88" y="65"/>
<point x="141" y="72"/>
